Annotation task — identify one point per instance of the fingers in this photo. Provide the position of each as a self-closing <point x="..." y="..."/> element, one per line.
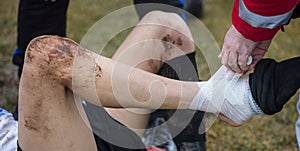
<point x="257" y="54"/>
<point x="255" y="60"/>
<point x="242" y="62"/>
<point x="224" y="57"/>
<point x="234" y="60"/>
<point x="236" y="51"/>
<point x="237" y="62"/>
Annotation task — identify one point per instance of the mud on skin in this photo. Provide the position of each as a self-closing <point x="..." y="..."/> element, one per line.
<point x="59" y="58"/>
<point x="168" y="42"/>
<point x="52" y="57"/>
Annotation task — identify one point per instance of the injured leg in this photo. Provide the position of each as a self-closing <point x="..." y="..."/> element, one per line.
<point x="48" y="116"/>
<point x="157" y="38"/>
<point x="56" y="67"/>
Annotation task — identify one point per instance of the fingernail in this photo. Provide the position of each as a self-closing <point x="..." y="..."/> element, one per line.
<point x="249" y="61"/>
<point x="220" y="54"/>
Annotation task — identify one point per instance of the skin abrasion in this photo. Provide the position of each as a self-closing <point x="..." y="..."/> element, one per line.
<point x="55" y="56"/>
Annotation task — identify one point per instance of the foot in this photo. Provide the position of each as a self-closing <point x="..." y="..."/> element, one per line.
<point x="227" y="95"/>
<point x="239" y="104"/>
<point x="158" y="136"/>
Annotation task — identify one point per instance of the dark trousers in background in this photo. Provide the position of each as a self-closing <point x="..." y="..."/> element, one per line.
<point x="36" y="18"/>
<point x="39" y="17"/>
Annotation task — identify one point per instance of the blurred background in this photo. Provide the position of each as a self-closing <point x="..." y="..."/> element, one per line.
<point x="260" y="133"/>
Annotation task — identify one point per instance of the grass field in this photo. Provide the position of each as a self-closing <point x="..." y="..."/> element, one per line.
<point x="274" y="133"/>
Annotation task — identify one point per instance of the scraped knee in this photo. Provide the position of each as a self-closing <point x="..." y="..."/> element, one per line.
<point x="50" y="55"/>
<point x="170" y="28"/>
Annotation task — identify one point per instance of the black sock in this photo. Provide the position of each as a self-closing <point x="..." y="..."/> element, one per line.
<point x="274" y="83"/>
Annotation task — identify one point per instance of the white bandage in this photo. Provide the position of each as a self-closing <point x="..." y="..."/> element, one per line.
<point x="225" y="92"/>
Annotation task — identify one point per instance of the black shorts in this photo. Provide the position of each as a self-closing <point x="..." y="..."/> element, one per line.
<point x="111" y="135"/>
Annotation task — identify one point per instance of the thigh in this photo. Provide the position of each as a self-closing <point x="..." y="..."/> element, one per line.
<point x="48" y="114"/>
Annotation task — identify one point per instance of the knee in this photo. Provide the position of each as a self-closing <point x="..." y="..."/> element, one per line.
<point x="50" y="50"/>
<point x="36" y="54"/>
<point x="170" y="28"/>
<point x="167" y="19"/>
<point x="157" y="14"/>
<point x="49" y="55"/>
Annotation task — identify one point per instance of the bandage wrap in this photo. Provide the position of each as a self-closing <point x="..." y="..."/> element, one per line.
<point x="225" y="92"/>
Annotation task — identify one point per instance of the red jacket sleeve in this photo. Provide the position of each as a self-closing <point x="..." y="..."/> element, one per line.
<point x="259" y="20"/>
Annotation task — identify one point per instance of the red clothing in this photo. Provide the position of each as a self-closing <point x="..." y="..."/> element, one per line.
<point x="261" y="19"/>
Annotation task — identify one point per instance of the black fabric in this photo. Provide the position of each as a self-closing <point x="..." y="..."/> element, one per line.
<point x="16" y="112"/>
<point x="103" y="145"/>
<point x="195" y="7"/>
<point x="40" y="17"/>
<point x="274" y="83"/>
<point x="108" y="131"/>
<point x="18" y="146"/>
<point x="295" y="15"/>
<point x="142" y="10"/>
<point x="36" y="18"/>
<point x="182" y="68"/>
<point x="296" y="12"/>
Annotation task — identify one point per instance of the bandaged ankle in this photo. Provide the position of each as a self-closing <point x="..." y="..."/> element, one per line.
<point x="207" y="93"/>
<point x="226" y="93"/>
<point x="239" y="104"/>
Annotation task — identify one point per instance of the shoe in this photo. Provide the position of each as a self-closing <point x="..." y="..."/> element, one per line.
<point x="159" y="136"/>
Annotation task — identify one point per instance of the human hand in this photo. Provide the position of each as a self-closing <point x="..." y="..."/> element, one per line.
<point x="237" y="49"/>
<point x="258" y="52"/>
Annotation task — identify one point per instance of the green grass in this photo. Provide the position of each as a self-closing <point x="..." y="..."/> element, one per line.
<point x="260" y="133"/>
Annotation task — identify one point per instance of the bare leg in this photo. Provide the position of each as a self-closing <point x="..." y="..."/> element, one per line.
<point x="146" y="48"/>
<point x="44" y="99"/>
<point x="49" y="119"/>
<point x="56" y="67"/>
<point x="46" y="93"/>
